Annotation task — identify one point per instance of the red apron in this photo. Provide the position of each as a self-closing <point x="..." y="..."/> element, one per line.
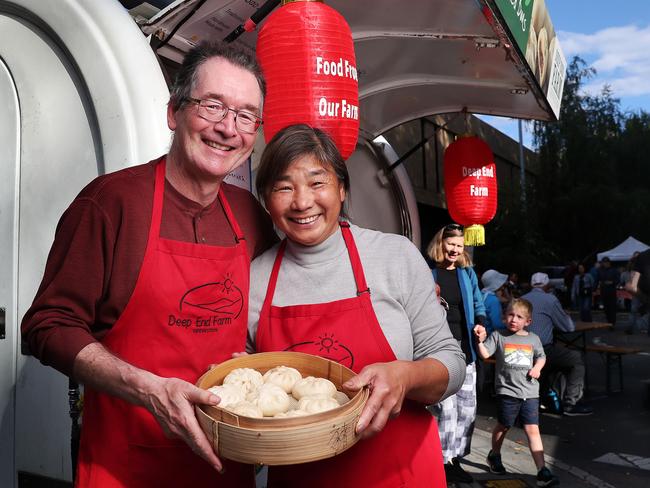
<point x="189" y="309"/>
<point x="407" y="452"/>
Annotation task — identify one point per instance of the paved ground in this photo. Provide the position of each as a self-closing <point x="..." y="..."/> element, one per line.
<point x="610" y="448"/>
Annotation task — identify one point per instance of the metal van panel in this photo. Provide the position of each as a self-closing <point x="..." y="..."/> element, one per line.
<point x="92" y="99"/>
<point x="380" y="199"/>
<point x="9" y="147"/>
<point x="57" y="158"/>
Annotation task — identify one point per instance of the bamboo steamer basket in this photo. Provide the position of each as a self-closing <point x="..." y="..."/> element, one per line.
<point x="278" y="441"/>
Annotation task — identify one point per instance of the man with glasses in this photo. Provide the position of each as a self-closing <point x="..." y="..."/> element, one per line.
<point x="147" y="284"/>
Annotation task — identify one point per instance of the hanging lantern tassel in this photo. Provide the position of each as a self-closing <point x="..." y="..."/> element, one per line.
<point x="470" y="186"/>
<point x="475" y="235"/>
<point x="307" y="55"/>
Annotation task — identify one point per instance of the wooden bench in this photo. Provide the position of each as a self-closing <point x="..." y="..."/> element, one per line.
<point x="613" y="359"/>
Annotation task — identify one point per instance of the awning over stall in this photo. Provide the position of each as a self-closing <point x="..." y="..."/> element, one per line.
<point x="414" y="58"/>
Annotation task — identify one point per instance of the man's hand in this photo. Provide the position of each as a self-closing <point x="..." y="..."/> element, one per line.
<point x="172" y="404"/>
<point x="170" y="400"/>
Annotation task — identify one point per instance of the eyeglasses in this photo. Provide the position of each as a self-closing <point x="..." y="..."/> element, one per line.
<point x="215" y="111"/>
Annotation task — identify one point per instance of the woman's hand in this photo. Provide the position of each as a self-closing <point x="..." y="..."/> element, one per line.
<point x="386" y="382"/>
<point x="480" y="333"/>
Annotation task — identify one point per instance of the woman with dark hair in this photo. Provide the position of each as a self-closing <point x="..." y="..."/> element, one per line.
<point x="459" y="289"/>
<point x="359" y="297"/>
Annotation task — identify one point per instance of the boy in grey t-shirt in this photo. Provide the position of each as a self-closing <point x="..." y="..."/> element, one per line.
<point x="519" y="361"/>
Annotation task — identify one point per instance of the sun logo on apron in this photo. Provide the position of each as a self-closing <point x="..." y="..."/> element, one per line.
<point x="327" y="343"/>
<point x="228" y="284"/>
<point x="328" y="347"/>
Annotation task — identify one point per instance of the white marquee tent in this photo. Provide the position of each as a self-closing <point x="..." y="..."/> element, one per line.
<point x="624" y="251"/>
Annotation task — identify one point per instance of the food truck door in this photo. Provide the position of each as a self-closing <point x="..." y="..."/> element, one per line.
<point x="81" y="94"/>
<point x="8" y="173"/>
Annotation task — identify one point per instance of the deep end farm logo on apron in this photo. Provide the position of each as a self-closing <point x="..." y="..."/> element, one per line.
<point x="209" y="307"/>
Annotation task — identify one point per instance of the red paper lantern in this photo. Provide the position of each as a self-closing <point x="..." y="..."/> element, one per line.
<point x="307" y="55"/>
<point x="471" y="186"/>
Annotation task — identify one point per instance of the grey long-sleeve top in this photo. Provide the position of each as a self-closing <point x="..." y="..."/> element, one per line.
<point x="401" y="285"/>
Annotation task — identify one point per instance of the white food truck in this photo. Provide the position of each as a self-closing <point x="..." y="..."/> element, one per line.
<point x="83" y="90"/>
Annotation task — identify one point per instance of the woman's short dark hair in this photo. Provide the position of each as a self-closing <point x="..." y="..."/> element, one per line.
<point x="290" y="144"/>
<point x="187" y="76"/>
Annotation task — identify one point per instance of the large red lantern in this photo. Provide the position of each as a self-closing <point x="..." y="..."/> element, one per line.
<point x="471" y="186"/>
<point x="307" y="55"/>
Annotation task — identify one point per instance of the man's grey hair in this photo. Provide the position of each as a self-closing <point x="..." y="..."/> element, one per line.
<point x="187" y="76"/>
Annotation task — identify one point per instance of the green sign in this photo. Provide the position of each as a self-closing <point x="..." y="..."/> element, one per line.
<point x="518" y="15"/>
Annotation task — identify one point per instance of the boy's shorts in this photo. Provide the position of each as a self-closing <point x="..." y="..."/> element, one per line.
<point x="510" y="407"/>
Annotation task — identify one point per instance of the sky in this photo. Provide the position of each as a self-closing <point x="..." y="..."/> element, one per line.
<point x="613" y="38"/>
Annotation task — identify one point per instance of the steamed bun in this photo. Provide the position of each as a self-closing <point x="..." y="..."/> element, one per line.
<point x="247" y="379"/>
<point x="246" y="409"/>
<point x="293" y="403"/>
<point x="317" y="403"/>
<point x="313" y="386"/>
<point x="290" y="414"/>
<point x="341" y="398"/>
<point x="283" y="376"/>
<point x="229" y="394"/>
<point x="271" y="399"/>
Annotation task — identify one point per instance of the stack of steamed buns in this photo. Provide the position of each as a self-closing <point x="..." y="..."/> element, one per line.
<point x="280" y="393"/>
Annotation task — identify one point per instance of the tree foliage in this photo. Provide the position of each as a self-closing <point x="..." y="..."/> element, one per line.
<point x="593" y="190"/>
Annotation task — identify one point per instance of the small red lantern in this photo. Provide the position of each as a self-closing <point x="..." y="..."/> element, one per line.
<point x="471" y="186"/>
<point x="307" y="55"/>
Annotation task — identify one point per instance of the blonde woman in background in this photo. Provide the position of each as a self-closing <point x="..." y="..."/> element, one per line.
<point x="458" y="284"/>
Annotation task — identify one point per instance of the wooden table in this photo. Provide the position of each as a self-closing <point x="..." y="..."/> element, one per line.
<point x="578" y="339"/>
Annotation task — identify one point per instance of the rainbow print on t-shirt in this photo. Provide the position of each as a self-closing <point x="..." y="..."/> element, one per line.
<point x="518" y="354"/>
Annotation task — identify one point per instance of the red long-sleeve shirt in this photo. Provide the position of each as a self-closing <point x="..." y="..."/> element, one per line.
<point x="98" y="249"/>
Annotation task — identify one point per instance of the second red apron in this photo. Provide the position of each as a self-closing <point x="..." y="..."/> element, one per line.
<point x="407" y="452"/>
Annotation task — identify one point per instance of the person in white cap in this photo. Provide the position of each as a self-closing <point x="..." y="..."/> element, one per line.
<point x="493" y="281"/>
<point x="547" y="315"/>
